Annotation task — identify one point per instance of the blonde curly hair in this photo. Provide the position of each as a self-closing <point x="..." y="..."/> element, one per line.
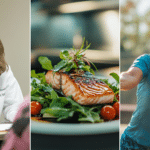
<point x="3" y="64"/>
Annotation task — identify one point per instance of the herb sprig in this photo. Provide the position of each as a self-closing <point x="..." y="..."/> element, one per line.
<point x="71" y="61"/>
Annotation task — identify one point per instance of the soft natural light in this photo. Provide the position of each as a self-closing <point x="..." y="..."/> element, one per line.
<point x="110" y="21"/>
<point x="143" y="7"/>
<point x="77" y="40"/>
<point x="85" y="6"/>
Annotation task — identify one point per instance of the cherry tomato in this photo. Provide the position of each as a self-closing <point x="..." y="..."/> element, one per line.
<point x="35" y="108"/>
<point x="116" y="107"/>
<point x="108" y="112"/>
<point x="117" y="96"/>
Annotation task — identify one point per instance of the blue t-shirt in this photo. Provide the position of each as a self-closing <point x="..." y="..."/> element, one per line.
<point x="139" y="126"/>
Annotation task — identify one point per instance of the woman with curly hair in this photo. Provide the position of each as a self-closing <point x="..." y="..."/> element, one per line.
<point x="10" y="93"/>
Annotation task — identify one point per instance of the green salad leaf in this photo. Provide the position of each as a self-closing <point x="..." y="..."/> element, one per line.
<point x="45" y="62"/>
<point x="113" y="86"/>
<point x="115" y="76"/>
<point x="60" y="65"/>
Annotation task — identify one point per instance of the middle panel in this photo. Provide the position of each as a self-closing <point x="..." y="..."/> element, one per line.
<point x="75" y="74"/>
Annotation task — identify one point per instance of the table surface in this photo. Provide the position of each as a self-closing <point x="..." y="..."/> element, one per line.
<point x="4" y="127"/>
<point x="2" y="135"/>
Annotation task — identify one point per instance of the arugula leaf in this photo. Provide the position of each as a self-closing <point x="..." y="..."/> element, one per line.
<point x="64" y="108"/>
<point x="64" y="54"/>
<point x="54" y="94"/>
<point x="60" y="65"/>
<point x="45" y="62"/>
<point x="70" y="61"/>
<point x="37" y="75"/>
<point x="91" y="117"/>
<point x="115" y="76"/>
<point x="60" y="113"/>
<point x="59" y="102"/>
<point x="111" y="85"/>
<point x="46" y="88"/>
<point x="41" y="100"/>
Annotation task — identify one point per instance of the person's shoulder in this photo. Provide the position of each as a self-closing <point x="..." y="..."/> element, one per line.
<point x="7" y="74"/>
<point x="8" y="70"/>
<point x="142" y="62"/>
<point x="144" y="57"/>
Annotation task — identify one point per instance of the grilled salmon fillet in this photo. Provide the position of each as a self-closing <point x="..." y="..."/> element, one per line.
<point x="84" y="90"/>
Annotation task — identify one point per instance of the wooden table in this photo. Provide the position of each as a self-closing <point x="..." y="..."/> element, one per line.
<point x="4" y="127"/>
<point x="2" y="135"/>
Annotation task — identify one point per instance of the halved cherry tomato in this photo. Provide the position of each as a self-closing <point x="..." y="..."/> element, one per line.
<point x="35" y="108"/>
<point x="108" y="112"/>
<point x="116" y="107"/>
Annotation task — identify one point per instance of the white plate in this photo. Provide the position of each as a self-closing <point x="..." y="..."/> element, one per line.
<point x="74" y="129"/>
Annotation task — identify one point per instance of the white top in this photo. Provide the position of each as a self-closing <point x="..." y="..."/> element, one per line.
<point x="10" y="95"/>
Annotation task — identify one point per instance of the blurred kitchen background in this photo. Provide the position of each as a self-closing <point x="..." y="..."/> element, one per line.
<point x="135" y="40"/>
<point x="62" y="24"/>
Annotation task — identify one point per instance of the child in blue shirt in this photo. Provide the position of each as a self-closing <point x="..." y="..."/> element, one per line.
<point x="137" y="133"/>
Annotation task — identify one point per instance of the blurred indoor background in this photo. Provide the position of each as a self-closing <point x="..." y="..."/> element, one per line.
<point x="135" y="40"/>
<point x="62" y="24"/>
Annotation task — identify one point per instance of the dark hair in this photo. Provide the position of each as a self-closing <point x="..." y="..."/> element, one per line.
<point x="3" y="64"/>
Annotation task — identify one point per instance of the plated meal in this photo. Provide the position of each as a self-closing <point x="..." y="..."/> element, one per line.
<point x="69" y="92"/>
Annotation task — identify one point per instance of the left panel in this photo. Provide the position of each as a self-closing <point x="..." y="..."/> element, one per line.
<point x="14" y="81"/>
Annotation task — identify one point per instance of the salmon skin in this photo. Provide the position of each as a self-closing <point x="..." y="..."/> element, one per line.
<point x="83" y="89"/>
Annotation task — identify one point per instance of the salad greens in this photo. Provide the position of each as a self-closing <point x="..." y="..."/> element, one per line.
<point x="56" y="105"/>
<point x="63" y="108"/>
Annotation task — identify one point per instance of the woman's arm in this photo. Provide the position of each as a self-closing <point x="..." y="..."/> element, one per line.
<point x="13" y="96"/>
<point x="130" y="78"/>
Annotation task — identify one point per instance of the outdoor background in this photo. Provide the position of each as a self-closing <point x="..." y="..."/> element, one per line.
<point x="135" y="40"/>
<point x="15" y="36"/>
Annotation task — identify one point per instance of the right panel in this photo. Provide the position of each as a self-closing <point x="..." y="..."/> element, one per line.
<point x="135" y="76"/>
